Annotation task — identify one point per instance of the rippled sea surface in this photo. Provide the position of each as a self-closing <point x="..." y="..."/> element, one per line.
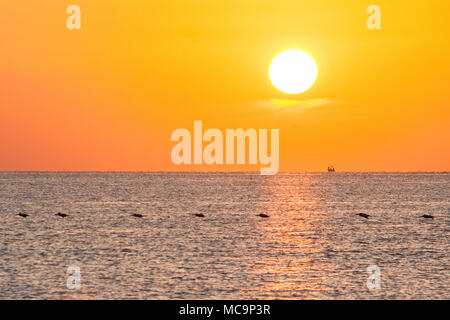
<point x="313" y="245"/>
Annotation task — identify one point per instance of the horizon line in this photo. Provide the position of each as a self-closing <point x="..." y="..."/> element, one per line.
<point x="207" y="172"/>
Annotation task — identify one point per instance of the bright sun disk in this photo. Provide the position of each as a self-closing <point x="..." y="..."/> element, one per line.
<point x="293" y="71"/>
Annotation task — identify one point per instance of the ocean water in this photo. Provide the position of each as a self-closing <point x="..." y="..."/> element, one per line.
<point x="313" y="245"/>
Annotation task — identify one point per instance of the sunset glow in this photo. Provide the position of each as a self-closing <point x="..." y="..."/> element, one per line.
<point x="108" y="96"/>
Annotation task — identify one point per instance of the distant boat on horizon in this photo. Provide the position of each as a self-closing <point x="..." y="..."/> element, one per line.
<point x="331" y="169"/>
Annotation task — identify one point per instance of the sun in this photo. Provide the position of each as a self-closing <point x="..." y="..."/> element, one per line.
<point x="293" y="71"/>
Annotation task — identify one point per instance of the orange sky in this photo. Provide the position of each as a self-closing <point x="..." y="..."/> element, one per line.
<point x="108" y="96"/>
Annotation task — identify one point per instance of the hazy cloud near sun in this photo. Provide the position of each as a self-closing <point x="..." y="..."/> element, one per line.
<point x="292" y="105"/>
<point x="281" y="107"/>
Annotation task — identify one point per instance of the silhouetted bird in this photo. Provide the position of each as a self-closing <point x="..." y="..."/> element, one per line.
<point x="62" y="215"/>
<point x="200" y="215"/>
<point x="23" y="215"/>
<point x="138" y="215"/>
<point x="427" y="216"/>
<point x="364" y="215"/>
<point x="262" y="215"/>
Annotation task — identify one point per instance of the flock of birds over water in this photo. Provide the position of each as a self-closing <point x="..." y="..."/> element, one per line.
<point x="366" y="216"/>
<point x="201" y="215"/>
